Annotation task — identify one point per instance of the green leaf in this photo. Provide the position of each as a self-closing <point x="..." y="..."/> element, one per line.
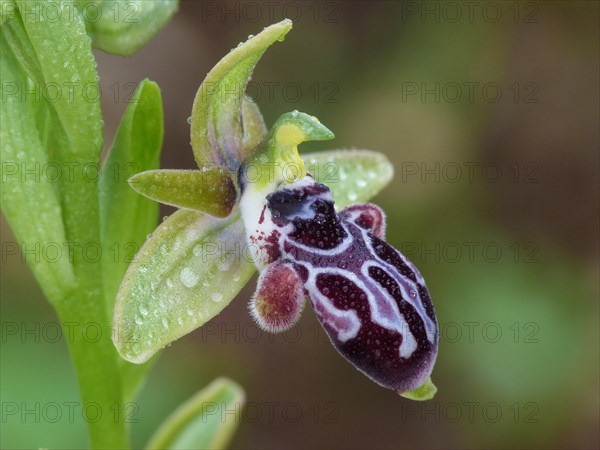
<point x="123" y="27"/>
<point x="73" y="134"/>
<point x="126" y="218"/>
<point x="209" y="191"/>
<point x="216" y="131"/>
<point x="424" y="392"/>
<point x="69" y="132"/>
<point x="186" y="273"/>
<point x="78" y="106"/>
<point x="354" y="176"/>
<point x="29" y="200"/>
<point x="17" y="39"/>
<point x="207" y="420"/>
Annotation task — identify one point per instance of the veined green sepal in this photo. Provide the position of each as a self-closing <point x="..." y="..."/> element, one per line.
<point x="218" y="133"/>
<point x="210" y="191"/>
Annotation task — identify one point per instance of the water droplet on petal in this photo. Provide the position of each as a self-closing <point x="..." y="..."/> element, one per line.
<point x="216" y="297"/>
<point x="188" y="277"/>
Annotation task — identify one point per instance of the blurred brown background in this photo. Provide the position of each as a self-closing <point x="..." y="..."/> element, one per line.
<point x="490" y="113"/>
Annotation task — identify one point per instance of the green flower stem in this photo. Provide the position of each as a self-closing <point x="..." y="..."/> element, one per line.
<point x="96" y="365"/>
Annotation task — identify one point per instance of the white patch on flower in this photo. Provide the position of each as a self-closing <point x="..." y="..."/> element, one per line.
<point x="408" y="288"/>
<point x="345" y="323"/>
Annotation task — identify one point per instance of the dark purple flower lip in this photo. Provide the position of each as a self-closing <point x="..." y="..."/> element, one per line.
<point x="371" y="301"/>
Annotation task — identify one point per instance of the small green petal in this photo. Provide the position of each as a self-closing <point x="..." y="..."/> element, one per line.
<point x="277" y="159"/>
<point x="210" y="191"/>
<point x="254" y="126"/>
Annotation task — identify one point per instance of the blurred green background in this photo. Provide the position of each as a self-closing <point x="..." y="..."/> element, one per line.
<point x="495" y="199"/>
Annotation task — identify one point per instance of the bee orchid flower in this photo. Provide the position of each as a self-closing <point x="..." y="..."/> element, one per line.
<point x="306" y="232"/>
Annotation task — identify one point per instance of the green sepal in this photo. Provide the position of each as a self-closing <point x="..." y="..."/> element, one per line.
<point x="217" y="134"/>
<point x="207" y="420"/>
<point x="354" y="176"/>
<point x="191" y="267"/>
<point x="210" y="191"/>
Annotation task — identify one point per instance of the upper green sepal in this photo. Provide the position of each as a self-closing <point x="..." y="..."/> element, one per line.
<point x="210" y="191"/>
<point x="424" y="392"/>
<point x="217" y="134"/>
